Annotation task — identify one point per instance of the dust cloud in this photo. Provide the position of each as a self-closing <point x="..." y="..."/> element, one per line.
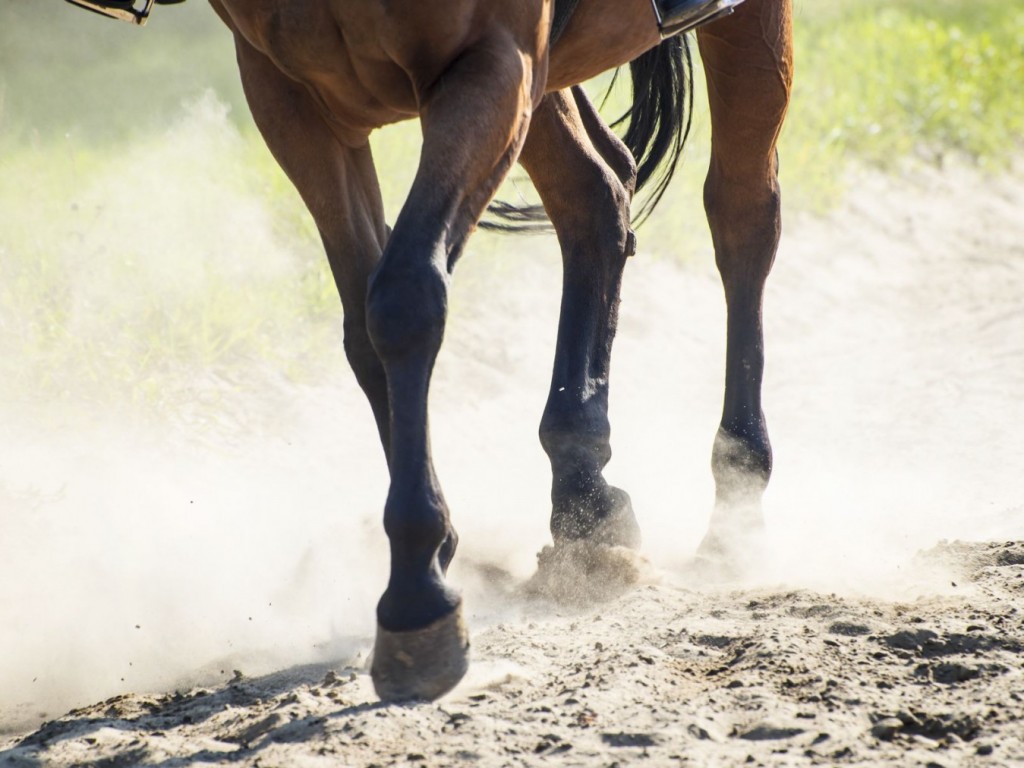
<point x="144" y="552"/>
<point x="167" y="520"/>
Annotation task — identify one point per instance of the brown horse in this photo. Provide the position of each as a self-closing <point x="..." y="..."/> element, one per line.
<point x="489" y="88"/>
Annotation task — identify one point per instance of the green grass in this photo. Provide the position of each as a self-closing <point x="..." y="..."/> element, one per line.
<point x="141" y="275"/>
<point x="881" y="82"/>
<point x="65" y="71"/>
<point x="145" y="245"/>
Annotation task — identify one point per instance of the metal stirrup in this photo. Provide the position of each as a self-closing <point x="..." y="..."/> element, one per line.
<point x="714" y="11"/>
<point x="131" y="14"/>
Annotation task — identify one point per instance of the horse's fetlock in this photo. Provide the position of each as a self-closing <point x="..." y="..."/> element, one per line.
<point x="416" y="521"/>
<point x="741" y="463"/>
<point x="574" y="425"/>
<point x="580" y="446"/>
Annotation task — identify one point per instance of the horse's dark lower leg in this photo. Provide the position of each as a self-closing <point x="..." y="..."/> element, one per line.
<point x="339" y="187"/>
<point x="748" y="62"/>
<point x="422" y="647"/>
<point x="742" y="455"/>
<point x="406" y="311"/>
<point x="589" y="206"/>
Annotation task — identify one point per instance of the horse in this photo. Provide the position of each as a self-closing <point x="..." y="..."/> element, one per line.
<point x="491" y="86"/>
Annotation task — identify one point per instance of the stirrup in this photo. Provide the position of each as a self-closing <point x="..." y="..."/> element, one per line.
<point x="712" y="12"/>
<point x="124" y="10"/>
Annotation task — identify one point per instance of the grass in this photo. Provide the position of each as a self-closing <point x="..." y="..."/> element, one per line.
<point x="145" y="246"/>
<point x="141" y="275"/>
<point x="878" y="82"/>
<point x="66" y="72"/>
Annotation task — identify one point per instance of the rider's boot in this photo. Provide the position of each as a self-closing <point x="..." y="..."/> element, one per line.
<point x="676" y="16"/>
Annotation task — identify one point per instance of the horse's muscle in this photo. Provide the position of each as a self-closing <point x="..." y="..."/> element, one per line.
<point x="369" y="63"/>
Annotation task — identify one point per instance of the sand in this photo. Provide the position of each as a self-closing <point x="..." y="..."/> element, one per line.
<point x="664" y="675"/>
<point x="905" y="307"/>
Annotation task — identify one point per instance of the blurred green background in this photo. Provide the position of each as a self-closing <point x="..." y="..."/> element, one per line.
<point x="148" y="240"/>
<point x="876" y="79"/>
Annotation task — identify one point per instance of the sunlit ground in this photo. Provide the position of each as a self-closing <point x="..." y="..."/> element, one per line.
<point x="188" y="473"/>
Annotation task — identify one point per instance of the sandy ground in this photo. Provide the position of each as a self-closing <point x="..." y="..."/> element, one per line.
<point x="900" y="316"/>
<point x="663" y="676"/>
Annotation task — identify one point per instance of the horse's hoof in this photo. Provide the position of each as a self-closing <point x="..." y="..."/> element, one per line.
<point x="422" y="664"/>
<point x="733" y="550"/>
<point x="605" y="519"/>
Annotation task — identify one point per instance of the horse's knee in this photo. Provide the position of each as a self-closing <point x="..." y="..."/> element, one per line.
<point x="406" y="307"/>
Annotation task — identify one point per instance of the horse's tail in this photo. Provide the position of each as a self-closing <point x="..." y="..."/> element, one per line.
<point x="659" y="120"/>
<point x="657" y="126"/>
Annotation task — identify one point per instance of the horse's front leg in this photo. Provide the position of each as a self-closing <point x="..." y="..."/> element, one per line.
<point x="748" y="61"/>
<point x="474" y="122"/>
<point x="339" y="187"/>
<point x="570" y="155"/>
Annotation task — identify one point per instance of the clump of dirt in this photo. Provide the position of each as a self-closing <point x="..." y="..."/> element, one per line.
<point x="582" y="574"/>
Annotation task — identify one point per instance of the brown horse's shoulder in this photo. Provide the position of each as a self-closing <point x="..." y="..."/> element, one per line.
<point x="339" y="56"/>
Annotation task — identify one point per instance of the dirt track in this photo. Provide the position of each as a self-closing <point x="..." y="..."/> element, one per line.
<point x="810" y="663"/>
<point x="662" y="676"/>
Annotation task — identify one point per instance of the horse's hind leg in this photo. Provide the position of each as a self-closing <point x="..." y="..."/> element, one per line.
<point x="585" y="182"/>
<point x="748" y="61"/>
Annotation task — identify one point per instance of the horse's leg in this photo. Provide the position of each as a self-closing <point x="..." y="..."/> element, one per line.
<point x="748" y="62"/>
<point x="474" y="121"/>
<point x="339" y="187"/>
<point x="585" y="182"/>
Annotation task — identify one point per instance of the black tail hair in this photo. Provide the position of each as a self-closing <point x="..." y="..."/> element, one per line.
<point x="659" y="120"/>
<point x="657" y="126"/>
